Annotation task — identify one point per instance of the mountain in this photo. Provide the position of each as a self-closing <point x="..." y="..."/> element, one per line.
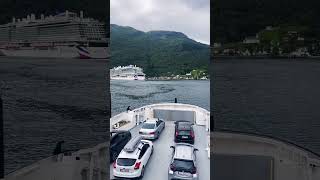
<point x="233" y="20"/>
<point x="157" y="52"/>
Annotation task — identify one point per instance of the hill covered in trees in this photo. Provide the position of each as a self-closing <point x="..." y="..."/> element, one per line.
<point x="233" y="20"/>
<point x="157" y="52"/>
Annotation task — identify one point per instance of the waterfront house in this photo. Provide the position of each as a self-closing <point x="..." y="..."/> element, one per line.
<point x="251" y="40"/>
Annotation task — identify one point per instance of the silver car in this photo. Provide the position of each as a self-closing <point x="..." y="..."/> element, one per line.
<point x="152" y="128"/>
<point x="183" y="162"/>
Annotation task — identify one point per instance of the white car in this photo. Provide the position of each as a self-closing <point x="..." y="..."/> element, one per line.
<point x="133" y="159"/>
<point x="183" y="163"/>
<point x="152" y="128"/>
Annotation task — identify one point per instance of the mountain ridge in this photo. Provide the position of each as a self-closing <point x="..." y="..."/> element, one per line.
<point x="233" y="20"/>
<point x="158" y="52"/>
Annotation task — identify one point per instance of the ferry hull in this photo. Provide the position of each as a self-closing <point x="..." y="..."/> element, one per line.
<point x="59" y="52"/>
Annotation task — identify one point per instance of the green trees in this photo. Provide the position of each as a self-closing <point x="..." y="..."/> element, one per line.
<point x="198" y="73"/>
<point x="157" y="52"/>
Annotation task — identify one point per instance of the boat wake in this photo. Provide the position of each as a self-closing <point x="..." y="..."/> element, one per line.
<point x="159" y="89"/>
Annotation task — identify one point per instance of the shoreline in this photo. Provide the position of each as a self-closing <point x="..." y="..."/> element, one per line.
<point x="177" y="79"/>
<point x="264" y="57"/>
<point x="165" y="80"/>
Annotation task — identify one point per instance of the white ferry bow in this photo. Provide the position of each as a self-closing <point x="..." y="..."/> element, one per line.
<point x="282" y="160"/>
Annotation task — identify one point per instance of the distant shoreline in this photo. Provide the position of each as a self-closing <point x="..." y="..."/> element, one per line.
<point x="152" y="79"/>
<point x="263" y="57"/>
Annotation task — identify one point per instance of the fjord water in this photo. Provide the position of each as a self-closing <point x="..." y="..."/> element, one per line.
<point x="140" y="93"/>
<point x="275" y="97"/>
<point x="49" y="100"/>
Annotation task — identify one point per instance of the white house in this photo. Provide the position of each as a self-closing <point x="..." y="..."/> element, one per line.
<point x="251" y="40"/>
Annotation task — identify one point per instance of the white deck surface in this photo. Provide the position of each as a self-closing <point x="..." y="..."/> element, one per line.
<point x="157" y="168"/>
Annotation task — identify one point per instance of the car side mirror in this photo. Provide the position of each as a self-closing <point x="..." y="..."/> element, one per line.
<point x="172" y="147"/>
<point x="196" y="149"/>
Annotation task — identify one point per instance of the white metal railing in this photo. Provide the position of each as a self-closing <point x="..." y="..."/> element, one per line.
<point x="202" y="116"/>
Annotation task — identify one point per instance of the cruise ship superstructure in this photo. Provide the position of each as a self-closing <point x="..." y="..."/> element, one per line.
<point x="130" y="72"/>
<point x="65" y="35"/>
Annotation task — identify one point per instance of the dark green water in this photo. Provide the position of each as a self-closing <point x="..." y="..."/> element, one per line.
<point x="140" y="93"/>
<point x="279" y="98"/>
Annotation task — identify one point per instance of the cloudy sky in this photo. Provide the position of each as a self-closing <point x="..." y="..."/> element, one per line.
<point x="192" y="17"/>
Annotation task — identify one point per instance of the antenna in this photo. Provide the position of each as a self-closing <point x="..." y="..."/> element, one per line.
<point x="81" y="14"/>
<point x="67" y="13"/>
<point x="33" y="17"/>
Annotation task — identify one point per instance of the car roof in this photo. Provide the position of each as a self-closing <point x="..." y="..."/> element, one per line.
<point x="183" y="151"/>
<point x="184" y="126"/>
<point x="119" y="132"/>
<point x="179" y="123"/>
<point x="182" y="121"/>
<point x="131" y="155"/>
<point x="131" y="150"/>
<point x="152" y="120"/>
<point x="132" y="145"/>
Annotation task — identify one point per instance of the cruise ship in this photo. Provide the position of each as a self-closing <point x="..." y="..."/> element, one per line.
<point x="65" y="35"/>
<point x="131" y="72"/>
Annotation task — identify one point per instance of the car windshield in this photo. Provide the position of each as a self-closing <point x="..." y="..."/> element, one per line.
<point x="125" y="161"/>
<point x="148" y="126"/>
<point x="183" y="165"/>
<point x="184" y="133"/>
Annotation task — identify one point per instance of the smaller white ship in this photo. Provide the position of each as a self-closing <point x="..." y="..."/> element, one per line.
<point x="130" y="72"/>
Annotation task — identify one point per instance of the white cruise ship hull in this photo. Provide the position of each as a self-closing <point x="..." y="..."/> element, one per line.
<point x="131" y="78"/>
<point x="59" y="52"/>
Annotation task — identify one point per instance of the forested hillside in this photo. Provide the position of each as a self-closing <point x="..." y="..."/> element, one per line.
<point x="158" y="52"/>
<point x="232" y="20"/>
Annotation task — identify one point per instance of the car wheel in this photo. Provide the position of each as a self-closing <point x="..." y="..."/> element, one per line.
<point x="152" y="151"/>
<point x="142" y="173"/>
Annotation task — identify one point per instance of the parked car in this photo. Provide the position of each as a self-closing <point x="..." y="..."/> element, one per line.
<point x="152" y="128"/>
<point x="184" y="132"/>
<point x="118" y="140"/>
<point x="183" y="162"/>
<point x="181" y="121"/>
<point x="133" y="159"/>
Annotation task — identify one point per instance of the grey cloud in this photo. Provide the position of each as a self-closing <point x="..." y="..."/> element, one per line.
<point x="192" y="17"/>
<point x="197" y="3"/>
